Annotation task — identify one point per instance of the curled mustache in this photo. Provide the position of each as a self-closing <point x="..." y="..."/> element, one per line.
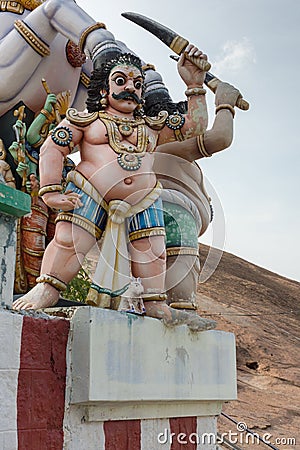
<point x="127" y="95"/>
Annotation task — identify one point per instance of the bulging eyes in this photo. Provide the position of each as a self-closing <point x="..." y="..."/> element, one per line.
<point x="120" y="81"/>
<point x="138" y="84"/>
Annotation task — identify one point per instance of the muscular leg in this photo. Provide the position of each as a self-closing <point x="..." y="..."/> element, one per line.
<point x="149" y="263"/>
<point x="62" y="259"/>
<point x="182" y="278"/>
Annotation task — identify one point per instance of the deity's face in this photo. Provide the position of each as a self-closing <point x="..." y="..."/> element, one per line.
<point x="125" y="88"/>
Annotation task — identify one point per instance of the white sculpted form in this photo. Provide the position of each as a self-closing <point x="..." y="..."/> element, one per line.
<point x="132" y="300"/>
<point x="54" y="22"/>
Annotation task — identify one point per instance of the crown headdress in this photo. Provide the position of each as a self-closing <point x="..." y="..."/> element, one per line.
<point x="123" y="59"/>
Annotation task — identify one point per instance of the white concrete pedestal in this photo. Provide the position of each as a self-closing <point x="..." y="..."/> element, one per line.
<point x="128" y="367"/>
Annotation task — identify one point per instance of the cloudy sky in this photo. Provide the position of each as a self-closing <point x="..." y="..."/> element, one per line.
<point x="255" y="46"/>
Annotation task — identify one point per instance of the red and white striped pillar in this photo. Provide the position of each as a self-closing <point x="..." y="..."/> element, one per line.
<point x="33" y="381"/>
<point x="108" y="381"/>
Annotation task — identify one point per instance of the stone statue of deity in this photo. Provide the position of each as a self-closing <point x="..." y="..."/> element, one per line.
<point x="114" y="190"/>
<point x="51" y="37"/>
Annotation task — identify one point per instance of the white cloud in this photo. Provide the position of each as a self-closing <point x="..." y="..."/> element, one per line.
<point x="235" y="56"/>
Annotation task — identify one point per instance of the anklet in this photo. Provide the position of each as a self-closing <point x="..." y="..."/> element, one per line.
<point x="154" y="297"/>
<point x="50" y="279"/>
<point x="183" y="305"/>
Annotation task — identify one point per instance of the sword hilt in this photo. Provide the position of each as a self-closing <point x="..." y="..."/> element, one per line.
<point x="179" y="44"/>
<point x="212" y="82"/>
<point x="199" y="62"/>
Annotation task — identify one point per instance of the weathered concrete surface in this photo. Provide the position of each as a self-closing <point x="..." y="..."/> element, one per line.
<point x="123" y="364"/>
<point x="8" y="237"/>
<point x="13" y="204"/>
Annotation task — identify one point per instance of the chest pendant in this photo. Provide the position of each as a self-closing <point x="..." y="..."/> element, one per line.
<point x="129" y="157"/>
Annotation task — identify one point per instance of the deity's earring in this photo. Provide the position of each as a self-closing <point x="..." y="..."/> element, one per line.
<point x="140" y="107"/>
<point x="103" y="101"/>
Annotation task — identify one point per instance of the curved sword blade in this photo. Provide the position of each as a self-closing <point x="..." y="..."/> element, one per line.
<point x="165" y="34"/>
<point x="178" y="45"/>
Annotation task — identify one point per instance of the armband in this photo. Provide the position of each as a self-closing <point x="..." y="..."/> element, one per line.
<point x="201" y="147"/>
<point x="176" y="122"/>
<point x="62" y="136"/>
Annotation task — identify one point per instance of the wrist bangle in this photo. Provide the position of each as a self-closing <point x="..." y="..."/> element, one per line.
<point x="201" y="147"/>
<point x="195" y="91"/>
<point x="226" y="106"/>
<point x="46" y="114"/>
<point x="50" y="188"/>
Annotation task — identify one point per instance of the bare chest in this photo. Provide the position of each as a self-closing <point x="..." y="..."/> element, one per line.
<point x="121" y="137"/>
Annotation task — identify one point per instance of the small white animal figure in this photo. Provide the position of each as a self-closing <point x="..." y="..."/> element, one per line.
<point x="132" y="300"/>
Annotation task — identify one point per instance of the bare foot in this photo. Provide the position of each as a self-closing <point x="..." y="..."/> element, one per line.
<point x="171" y="317"/>
<point x="43" y="295"/>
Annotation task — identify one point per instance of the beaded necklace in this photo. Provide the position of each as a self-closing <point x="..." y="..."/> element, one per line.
<point x="129" y="157"/>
